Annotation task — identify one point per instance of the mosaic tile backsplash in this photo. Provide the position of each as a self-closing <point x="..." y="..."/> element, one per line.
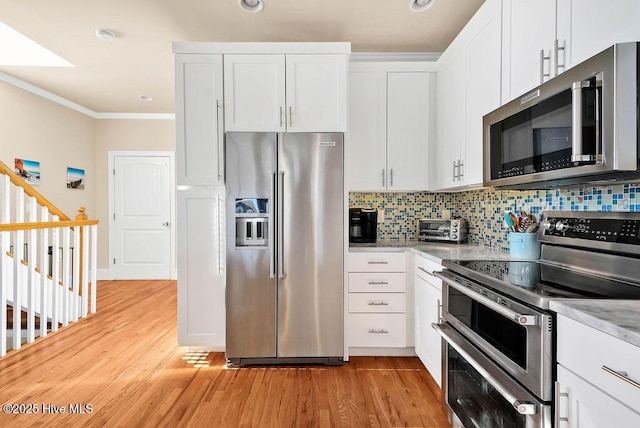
<point x="484" y="208"/>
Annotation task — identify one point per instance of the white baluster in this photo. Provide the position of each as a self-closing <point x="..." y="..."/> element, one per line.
<point x="75" y="297"/>
<point x="55" y="276"/>
<point x="94" y="266"/>
<point x="85" y="271"/>
<point x="66" y="274"/>
<point x="44" y="272"/>
<point x="18" y="254"/>
<point x="31" y="269"/>
<point x="3" y="297"/>
<point x="5" y="209"/>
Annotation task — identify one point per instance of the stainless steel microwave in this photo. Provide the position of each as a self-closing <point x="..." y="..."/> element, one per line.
<point x="579" y="127"/>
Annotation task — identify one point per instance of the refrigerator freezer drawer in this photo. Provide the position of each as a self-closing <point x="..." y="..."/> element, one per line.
<point x="377" y="282"/>
<point x="377" y="330"/>
<point x="377" y="303"/>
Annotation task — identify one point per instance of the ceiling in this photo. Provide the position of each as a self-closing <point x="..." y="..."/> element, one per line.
<point x="109" y="77"/>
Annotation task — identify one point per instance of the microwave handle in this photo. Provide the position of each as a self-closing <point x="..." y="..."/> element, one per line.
<point x="497" y="307"/>
<point x="522" y="407"/>
<point x="576" y="122"/>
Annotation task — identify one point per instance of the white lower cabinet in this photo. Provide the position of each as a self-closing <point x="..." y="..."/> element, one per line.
<point x="428" y="303"/>
<point x="378" y="315"/>
<point x="598" y="378"/>
<point x="201" y="268"/>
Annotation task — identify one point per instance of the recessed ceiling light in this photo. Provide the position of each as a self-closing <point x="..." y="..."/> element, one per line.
<point x="421" y="5"/>
<point x="252" y="6"/>
<point x="145" y="98"/>
<point x="105" y="35"/>
<point x="18" y="49"/>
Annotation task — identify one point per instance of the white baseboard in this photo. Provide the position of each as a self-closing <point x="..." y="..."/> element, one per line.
<point x="104" y="275"/>
<point x="206" y="349"/>
<point x="382" y="352"/>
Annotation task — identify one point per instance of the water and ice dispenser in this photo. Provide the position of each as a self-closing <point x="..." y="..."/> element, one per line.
<point x="252" y="222"/>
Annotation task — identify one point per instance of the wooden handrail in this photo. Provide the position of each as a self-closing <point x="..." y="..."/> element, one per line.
<point x="30" y="191"/>
<point x="10" y="227"/>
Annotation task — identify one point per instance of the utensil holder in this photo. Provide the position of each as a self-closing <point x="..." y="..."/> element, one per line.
<point x="524" y="246"/>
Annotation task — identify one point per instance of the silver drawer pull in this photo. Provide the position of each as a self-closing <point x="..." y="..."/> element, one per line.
<point x="378" y="303"/>
<point x="378" y="262"/>
<point x="378" y="283"/>
<point x="378" y="331"/>
<point x="621" y="375"/>
<point x="425" y="271"/>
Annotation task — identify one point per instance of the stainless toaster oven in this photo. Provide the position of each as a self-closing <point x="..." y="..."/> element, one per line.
<point x="454" y="230"/>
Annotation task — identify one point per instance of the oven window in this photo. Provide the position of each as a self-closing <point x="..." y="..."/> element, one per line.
<point x="502" y="333"/>
<point x="474" y="401"/>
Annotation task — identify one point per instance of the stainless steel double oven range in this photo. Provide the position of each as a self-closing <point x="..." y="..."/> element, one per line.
<point x="499" y="353"/>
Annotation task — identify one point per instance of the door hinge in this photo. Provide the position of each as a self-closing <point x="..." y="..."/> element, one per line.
<point x="114" y="171"/>
<point x="114" y="261"/>
<point x="114" y="216"/>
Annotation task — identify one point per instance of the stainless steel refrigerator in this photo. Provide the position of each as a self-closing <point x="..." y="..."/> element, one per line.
<point x="284" y="293"/>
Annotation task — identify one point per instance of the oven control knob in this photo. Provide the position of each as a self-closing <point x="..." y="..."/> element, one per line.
<point x="562" y="227"/>
<point x="525" y="408"/>
<point x="547" y="225"/>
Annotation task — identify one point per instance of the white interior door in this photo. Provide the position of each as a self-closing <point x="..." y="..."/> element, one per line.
<point x="141" y="217"/>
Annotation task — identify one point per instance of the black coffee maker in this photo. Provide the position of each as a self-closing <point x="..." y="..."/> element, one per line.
<point x="363" y="225"/>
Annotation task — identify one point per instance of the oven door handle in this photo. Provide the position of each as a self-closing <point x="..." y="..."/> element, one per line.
<point x="522" y="407"/>
<point x="514" y="316"/>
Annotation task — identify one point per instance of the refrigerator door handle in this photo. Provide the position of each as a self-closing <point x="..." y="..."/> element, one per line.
<point x="271" y="236"/>
<point x="280" y="216"/>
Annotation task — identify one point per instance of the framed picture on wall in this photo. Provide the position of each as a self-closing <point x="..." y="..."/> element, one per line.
<point x="29" y="170"/>
<point x="75" y="178"/>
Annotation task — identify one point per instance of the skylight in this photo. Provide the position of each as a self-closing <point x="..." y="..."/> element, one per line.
<point x="17" y="49"/>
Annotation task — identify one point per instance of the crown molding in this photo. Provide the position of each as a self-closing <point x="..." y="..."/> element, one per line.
<point x="77" y="107"/>
<point x="395" y="56"/>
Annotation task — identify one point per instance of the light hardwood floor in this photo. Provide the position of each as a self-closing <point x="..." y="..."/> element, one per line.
<point x="124" y="361"/>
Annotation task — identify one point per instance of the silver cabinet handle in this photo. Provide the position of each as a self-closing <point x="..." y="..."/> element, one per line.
<point x="556" y="399"/>
<point x="391" y="177"/>
<point x="460" y="169"/>
<point x="425" y="271"/>
<point x="383" y="177"/>
<point x="281" y="116"/>
<point x="378" y="283"/>
<point x="381" y="262"/>
<point x="455" y="176"/>
<point x="220" y="249"/>
<point x="521" y="319"/>
<point x="290" y="117"/>
<point x="622" y="376"/>
<point x="378" y="331"/>
<point x="556" y="49"/>
<point x="522" y="407"/>
<point x="378" y="303"/>
<point x="542" y="60"/>
<point x="280" y="216"/>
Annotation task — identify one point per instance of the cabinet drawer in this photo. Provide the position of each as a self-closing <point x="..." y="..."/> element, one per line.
<point x="377" y="262"/>
<point x="377" y="330"/>
<point x="377" y="282"/>
<point x="425" y="269"/>
<point x="587" y="351"/>
<point x="377" y="302"/>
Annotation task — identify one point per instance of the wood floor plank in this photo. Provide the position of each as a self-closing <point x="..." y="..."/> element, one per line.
<point x="125" y="362"/>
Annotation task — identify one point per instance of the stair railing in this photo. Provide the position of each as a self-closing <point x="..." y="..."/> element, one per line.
<point x="59" y="297"/>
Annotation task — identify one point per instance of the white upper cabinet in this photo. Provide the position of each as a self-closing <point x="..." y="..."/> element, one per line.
<point x="543" y="38"/>
<point x="390" y="122"/>
<point x="468" y="88"/>
<point x="528" y="53"/>
<point x="592" y="26"/>
<point x="279" y="93"/>
<point x="199" y="130"/>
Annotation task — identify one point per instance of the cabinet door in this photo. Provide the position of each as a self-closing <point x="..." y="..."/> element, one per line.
<point x="594" y="26"/>
<point x="530" y="27"/>
<point x="316" y="87"/>
<point x="367" y="138"/>
<point x="585" y="406"/>
<point x="199" y="131"/>
<point x="451" y="120"/>
<point x="483" y="93"/>
<point x="254" y="94"/>
<point x="407" y="131"/>
<point x="428" y="341"/>
<point x="201" y="272"/>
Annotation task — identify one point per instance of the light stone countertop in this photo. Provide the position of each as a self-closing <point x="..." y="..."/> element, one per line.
<point x="619" y="318"/>
<point x="434" y="251"/>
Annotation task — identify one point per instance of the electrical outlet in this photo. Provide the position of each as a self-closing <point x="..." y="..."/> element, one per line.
<point x="380" y="216"/>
